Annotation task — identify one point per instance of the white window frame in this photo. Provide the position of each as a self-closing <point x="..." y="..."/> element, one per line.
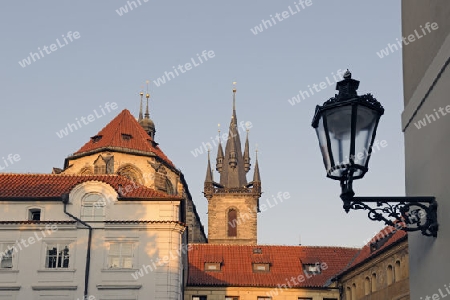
<point x="121" y="256"/>
<point x="4" y="249"/>
<point x="32" y="211"/>
<point x="97" y="207"/>
<point x="32" y="207"/>
<point x="60" y="246"/>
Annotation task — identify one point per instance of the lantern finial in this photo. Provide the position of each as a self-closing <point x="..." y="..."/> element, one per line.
<point x="347" y="75"/>
<point x="347" y="87"/>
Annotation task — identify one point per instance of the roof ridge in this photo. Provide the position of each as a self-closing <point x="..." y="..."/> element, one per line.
<point x="274" y="245"/>
<point x="120" y="122"/>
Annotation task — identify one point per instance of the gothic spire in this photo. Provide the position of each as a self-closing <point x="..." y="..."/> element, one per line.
<point x="232" y="154"/>
<point x="247" y="155"/>
<point x="209" y="174"/>
<point x="256" y="176"/>
<point x="233" y="171"/>
<point x="219" y="159"/>
<point x="234" y="104"/>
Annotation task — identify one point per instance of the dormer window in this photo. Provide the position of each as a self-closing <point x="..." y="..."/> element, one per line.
<point x="212" y="267"/>
<point x="126" y="137"/>
<point x="312" y="268"/>
<point x="96" y="138"/>
<point x="257" y="251"/>
<point x="34" y="214"/>
<point x="265" y="267"/>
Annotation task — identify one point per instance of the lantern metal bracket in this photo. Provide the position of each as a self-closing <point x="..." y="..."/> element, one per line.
<point x="404" y="213"/>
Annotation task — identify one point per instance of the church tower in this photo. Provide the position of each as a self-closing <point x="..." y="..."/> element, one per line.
<point x="233" y="203"/>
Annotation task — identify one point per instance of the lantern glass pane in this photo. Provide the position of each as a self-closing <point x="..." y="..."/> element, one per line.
<point x="365" y="125"/>
<point x="321" y="136"/>
<point x="339" y="127"/>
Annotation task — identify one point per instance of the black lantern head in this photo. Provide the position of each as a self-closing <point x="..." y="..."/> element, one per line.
<point x="346" y="126"/>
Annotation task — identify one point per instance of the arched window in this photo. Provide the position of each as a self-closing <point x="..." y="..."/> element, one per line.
<point x="348" y="293"/>
<point x="397" y="273"/>
<point x="374" y="282"/>
<point x="354" y="291"/>
<point x="232" y="222"/>
<point x="390" y="275"/>
<point x="132" y="173"/>
<point x="367" y="286"/>
<point x="169" y="187"/>
<point x="93" y="207"/>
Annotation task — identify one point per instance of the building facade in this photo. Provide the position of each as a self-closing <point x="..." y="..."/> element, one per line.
<point x="111" y="224"/>
<point x="379" y="271"/>
<point x="426" y="78"/>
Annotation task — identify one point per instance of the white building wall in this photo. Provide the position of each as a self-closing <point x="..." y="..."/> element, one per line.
<point x="152" y="227"/>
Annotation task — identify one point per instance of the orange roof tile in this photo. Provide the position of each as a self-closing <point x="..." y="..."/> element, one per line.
<point x="111" y="136"/>
<point x="285" y="263"/>
<point x="54" y="185"/>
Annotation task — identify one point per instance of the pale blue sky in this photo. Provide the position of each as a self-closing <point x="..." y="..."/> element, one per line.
<point x="115" y="55"/>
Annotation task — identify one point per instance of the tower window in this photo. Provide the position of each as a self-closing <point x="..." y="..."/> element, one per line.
<point x="34" y="214"/>
<point x="232" y="223"/>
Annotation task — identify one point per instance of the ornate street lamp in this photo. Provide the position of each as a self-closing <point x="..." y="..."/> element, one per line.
<point x="346" y="126"/>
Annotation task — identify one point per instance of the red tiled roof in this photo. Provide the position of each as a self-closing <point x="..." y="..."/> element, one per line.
<point x="38" y="222"/>
<point x="111" y="137"/>
<point x="392" y="237"/>
<point x="285" y="263"/>
<point x="54" y="185"/>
